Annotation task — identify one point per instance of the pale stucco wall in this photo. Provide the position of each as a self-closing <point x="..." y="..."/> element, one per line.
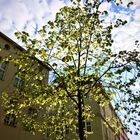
<point x="7" y="84"/>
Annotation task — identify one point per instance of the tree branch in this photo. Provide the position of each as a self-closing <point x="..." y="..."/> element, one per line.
<point x="87" y="54"/>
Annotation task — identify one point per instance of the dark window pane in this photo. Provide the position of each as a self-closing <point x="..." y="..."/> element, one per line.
<point x="10" y="120"/>
<point x="1" y="74"/>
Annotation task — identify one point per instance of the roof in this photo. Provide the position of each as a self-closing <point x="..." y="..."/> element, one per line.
<point x="21" y="49"/>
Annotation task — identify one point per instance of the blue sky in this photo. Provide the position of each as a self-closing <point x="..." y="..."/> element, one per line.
<point x="28" y="15"/>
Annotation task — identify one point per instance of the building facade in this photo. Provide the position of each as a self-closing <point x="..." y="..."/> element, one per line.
<point x="9" y="80"/>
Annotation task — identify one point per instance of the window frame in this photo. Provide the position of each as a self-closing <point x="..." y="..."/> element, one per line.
<point x="2" y="70"/>
<point x="18" y="82"/>
<point x="10" y="119"/>
<point x="88" y="125"/>
<point x="67" y="129"/>
<point x="32" y="112"/>
<point x="47" y="133"/>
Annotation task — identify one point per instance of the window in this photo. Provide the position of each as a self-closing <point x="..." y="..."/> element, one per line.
<point x="10" y="120"/>
<point x="88" y="126"/>
<point x="106" y="133"/>
<point x="47" y="134"/>
<point x="2" y="70"/>
<point x="104" y="112"/>
<point x="18" y="82"/>
<point x="7" y="47"/>
<point x="32" y="112"/>
<point x="14" y="101"/>
<point x="67" y="129"/>
<point x="28" y="123"/>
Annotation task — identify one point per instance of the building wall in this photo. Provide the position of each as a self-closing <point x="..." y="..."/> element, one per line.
<point x="108" y="112"/>
<point x="7" y="84"/>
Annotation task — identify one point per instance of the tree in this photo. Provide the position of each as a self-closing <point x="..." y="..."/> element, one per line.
<point x="77" y="46"/>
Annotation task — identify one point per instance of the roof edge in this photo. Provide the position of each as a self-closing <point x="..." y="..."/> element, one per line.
<point x="22" y="49"/>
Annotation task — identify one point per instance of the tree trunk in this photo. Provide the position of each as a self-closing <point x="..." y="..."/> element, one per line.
<point x="80" y="117"/>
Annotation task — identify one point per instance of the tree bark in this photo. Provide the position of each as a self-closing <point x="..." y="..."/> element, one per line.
<point x="80" y="117"/>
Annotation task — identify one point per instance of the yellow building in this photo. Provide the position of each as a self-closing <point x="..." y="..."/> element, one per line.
<point x="11" y="130"/>
<point x="99" y="126"/>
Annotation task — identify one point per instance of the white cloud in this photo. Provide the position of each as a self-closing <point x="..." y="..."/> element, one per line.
<point x="55" y="5"/>
<point x="137" y="15"/>
<point x="30" y="14"/>
<point x="126" y="36"/>
<point x="133" y="6"/>
<point x="14" y="13"/>
<point x="5" y="23"/>
<point x="105" y="6"/>
<point x="26" y="14"/>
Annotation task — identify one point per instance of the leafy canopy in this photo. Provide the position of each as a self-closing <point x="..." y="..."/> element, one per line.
<point x="77" y="46"/>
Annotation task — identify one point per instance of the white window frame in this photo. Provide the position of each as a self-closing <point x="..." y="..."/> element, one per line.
<point x="10" y="120"/>
<point x="47" y="133"/>
<point x="2" y="70"/>
<point x="18" y="82"/>
<point x="88" y="126"/>
<point x="67" y="129"/>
